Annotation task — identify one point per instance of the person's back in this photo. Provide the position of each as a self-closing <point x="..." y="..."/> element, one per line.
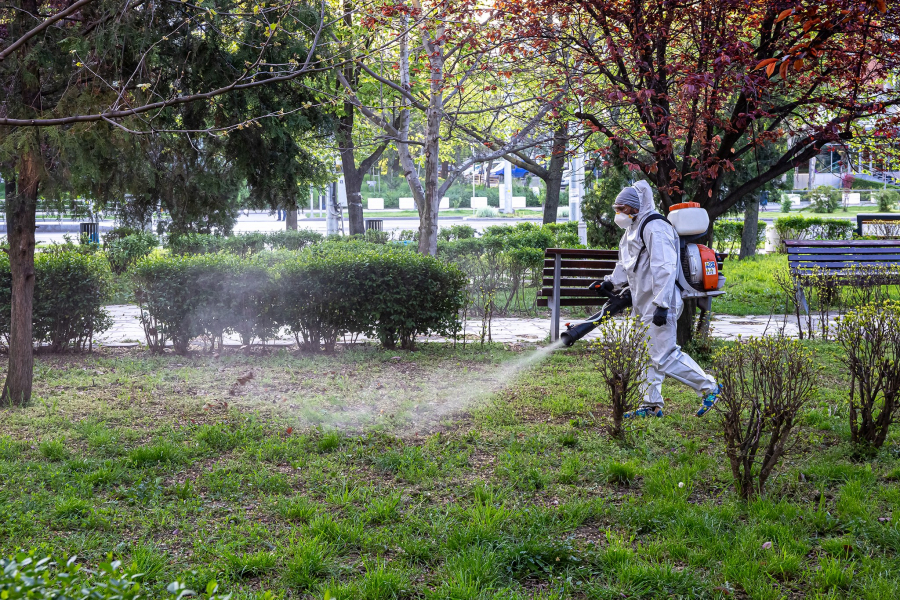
<point x="648" y="264"/>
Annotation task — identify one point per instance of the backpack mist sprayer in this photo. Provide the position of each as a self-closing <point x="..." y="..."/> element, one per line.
<point x="698" y="273"/>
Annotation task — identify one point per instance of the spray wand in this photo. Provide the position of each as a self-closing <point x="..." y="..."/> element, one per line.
<point x="615" y="304"/>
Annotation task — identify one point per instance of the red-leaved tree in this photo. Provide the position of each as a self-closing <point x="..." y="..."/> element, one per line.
<point x="687" y="89"/>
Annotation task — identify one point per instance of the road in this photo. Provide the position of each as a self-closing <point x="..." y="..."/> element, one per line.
<point x="263" y="221"/>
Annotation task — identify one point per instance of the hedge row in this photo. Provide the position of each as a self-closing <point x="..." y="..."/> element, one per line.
<point x="798" y="227"/>
<point x="318" y="294"/>
<point x="242" y="244"/>
<point x="70" y="291"/>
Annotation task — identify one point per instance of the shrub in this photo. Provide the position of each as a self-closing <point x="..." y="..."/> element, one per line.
<point x="313" y="302"/>
<point x="766" y="382"/>
<point x="293" y="240"/>
<point x="180" y="297"/>
<point x="798" y="227"/>
<point x="69" y="293"/>
<point x="122" y="251"/>
<point x="786" y="205"/>
<point x="26" y="575"/>
<point x="486" y="213"/>
<point x="456" y="232"/>
<point x="870" y="336"/>
<point x="887" y="200"/>
<point x="622" y="358"/>
<point x="405" y="293"/>
<point x="249" y="298"/>
<point x="825" y="199"/>
<point x="194" y="243"/>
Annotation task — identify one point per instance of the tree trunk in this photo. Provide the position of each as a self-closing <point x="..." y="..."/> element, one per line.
<point x="554" y="179"/>
<point x="290" y="220"/>
<point x="353" y="180"/>
<point x="751" y="229"/>
<point x="428" y="214"/>
<point x="352" y="177"/>
<point x="20" y="218"/>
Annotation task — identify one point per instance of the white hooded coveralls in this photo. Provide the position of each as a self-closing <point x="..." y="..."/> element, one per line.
<point x="651" y="277"/>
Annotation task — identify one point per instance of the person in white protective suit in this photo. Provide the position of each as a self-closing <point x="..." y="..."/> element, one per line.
<point x="649" y="267"/>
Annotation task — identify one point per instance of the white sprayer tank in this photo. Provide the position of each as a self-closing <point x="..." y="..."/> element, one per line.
<point x="688" y="218"/>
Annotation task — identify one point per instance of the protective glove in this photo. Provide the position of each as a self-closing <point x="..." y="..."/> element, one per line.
<point x="660" y="315"/>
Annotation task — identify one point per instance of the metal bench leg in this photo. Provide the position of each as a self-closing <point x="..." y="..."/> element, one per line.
<point x="554" y="301"/>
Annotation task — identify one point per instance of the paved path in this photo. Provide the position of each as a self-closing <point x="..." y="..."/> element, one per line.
<point x="126" y="330"/>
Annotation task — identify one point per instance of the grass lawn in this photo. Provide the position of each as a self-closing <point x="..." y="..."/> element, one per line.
<point x="431" y="474"/>
<point x="750" y="286"/>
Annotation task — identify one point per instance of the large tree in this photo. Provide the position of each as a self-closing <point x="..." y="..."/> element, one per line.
<point x="445" y="63"/>
<point x="78" y="74"/>
<point x="688" y="89"/>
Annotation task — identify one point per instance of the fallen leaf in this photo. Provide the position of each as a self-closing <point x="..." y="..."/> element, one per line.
<point x="289" y="430"/>
<point x="245" y="378"/>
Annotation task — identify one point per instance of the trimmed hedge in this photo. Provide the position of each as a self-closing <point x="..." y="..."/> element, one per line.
<point x="70" y="290"/>
<point x="243" y="244"/>
<point x="798" y="227"/>
<point x="319" y="294"/>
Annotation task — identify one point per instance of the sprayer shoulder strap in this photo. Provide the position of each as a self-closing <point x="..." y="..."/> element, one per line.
<point x="648" y="219"/>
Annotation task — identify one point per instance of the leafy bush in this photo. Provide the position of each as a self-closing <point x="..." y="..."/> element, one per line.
<point x="28" y="576"/>
<point x="180" y="297"/>
<point x="786" y="205"/>
<point x="766" y="383"/>
<point x="313" y="302"/>
<point x="887" y="200"/>
<point x="244" y="244"/>
<point x="405" y="293"/>
<point x="486" y="213"/>
<point x="293" y="240"/>
<point x="320" y="293"/>
<point x="70" y="290"/>
<point x="122" y="251"/>
<point x="622" y="358"/>
<point x="798" y="227"/>
<point x="456" y="232"/>
<point x="249" y="298"/>
<point x="871" y="338"/>
<point x="825" y="199"/>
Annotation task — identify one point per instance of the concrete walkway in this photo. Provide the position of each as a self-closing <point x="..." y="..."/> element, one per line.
<point x="127" y="331"/>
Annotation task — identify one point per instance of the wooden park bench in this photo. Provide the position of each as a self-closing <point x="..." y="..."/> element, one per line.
<point x="863" y="218"/>
<point x="851" y="262"/>
<point x="567" y="274"/>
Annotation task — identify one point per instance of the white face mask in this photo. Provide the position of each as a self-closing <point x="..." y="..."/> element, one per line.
<point x="624" y="221"/>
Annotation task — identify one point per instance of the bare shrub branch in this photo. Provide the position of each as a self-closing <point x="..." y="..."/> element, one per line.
<point x="766" y="382"/>
<point x="622" y="356"/>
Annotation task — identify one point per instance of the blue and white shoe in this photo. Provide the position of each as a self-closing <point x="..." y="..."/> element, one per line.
<point x="711" y="399"/>
<point x="644" y="411"/>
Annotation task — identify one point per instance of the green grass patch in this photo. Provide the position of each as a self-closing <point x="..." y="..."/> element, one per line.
<point x="431" y="480"/>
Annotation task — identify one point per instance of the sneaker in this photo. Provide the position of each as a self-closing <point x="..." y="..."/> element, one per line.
<point x="710" y="401"/>
<point x="645" y="411"/>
